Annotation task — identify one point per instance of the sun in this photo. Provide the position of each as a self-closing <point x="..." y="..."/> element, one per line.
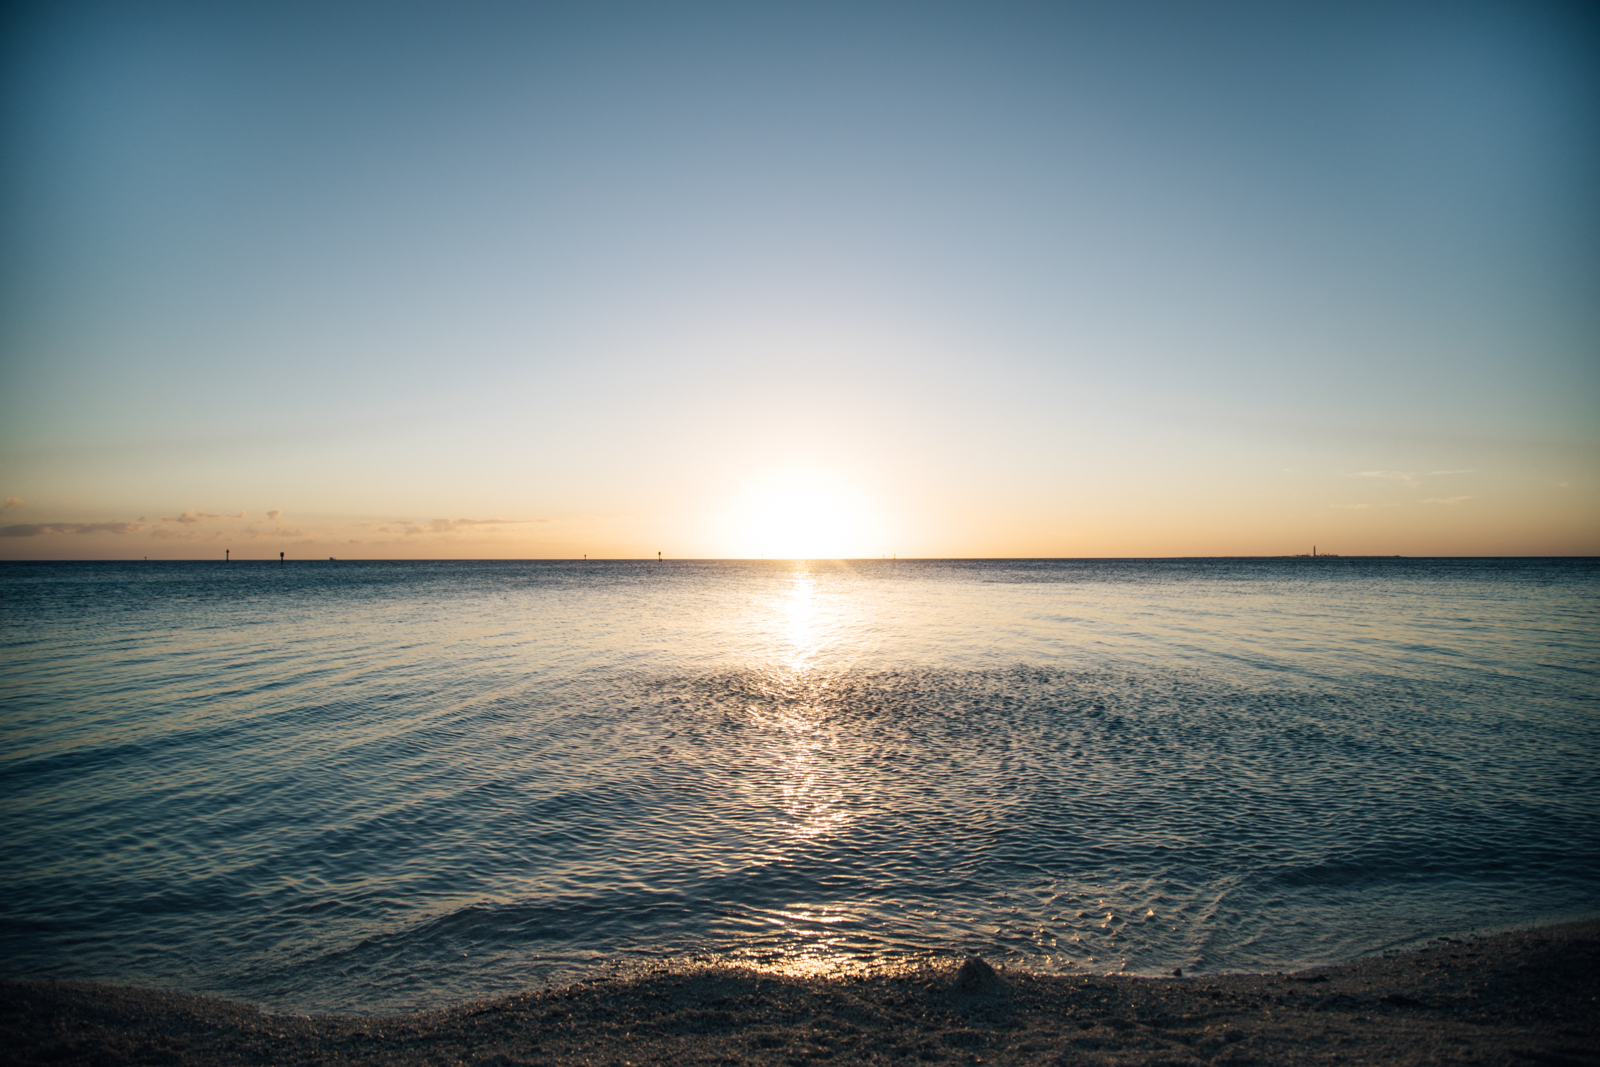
<point x="802" y="515"/>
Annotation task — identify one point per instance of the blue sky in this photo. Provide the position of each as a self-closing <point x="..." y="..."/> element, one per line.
<point x="950" y="279"/>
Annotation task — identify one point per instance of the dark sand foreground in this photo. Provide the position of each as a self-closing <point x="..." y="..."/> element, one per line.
<point x="1523" y="998"/>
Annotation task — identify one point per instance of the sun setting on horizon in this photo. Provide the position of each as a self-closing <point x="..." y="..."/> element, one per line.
<point x="803" y="514"/>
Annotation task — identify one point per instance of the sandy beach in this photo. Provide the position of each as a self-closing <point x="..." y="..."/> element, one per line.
<point x="1524" y="997"/>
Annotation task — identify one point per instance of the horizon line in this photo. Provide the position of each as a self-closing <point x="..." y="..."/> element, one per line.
<point x="805" y="559"/>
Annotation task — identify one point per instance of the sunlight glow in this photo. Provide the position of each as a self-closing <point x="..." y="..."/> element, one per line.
<point x="803" y="515"/>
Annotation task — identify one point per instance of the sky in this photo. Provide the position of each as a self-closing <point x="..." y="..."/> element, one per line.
<point x="482" y="280"/>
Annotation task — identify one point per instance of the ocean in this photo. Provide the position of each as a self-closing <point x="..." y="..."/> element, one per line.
<point x="378" y="786"/>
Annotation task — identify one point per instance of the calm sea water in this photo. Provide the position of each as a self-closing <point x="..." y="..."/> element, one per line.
<point x="375" y="786"/>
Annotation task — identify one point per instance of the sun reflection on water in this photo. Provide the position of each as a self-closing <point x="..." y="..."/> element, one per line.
<point x="802" y="763"/>
<point x="802" y="624"/>
<point x="811" y="799"/>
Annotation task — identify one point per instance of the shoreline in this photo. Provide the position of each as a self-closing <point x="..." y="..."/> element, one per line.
<point x="1517" y="997"/>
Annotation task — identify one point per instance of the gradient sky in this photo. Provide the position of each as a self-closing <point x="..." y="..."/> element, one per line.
<point x="817" y="279"/>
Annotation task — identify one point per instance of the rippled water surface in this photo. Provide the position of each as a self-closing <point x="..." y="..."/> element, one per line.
<point x="373" y="786"/>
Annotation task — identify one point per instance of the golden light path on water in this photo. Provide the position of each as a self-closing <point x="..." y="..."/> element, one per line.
<point x="814" y="803"/>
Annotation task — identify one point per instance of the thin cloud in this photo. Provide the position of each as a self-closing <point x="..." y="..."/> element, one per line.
<point x="1446" y="499"/>
<point x="14" y="502"/>
<point x="1407" y="477"/>
<point x="274" y="513"/>
<point x="195" y="515"/>
<point x="40" y="529"/>
<point x="444" y="526"/>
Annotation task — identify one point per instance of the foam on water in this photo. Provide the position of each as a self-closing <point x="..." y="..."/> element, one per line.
<point x="371" y="786"/>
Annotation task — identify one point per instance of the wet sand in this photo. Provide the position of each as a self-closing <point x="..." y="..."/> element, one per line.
<point x="1519" y="998"/>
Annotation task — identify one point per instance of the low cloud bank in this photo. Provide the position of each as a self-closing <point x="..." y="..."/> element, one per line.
<point x="36" y="529"/>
